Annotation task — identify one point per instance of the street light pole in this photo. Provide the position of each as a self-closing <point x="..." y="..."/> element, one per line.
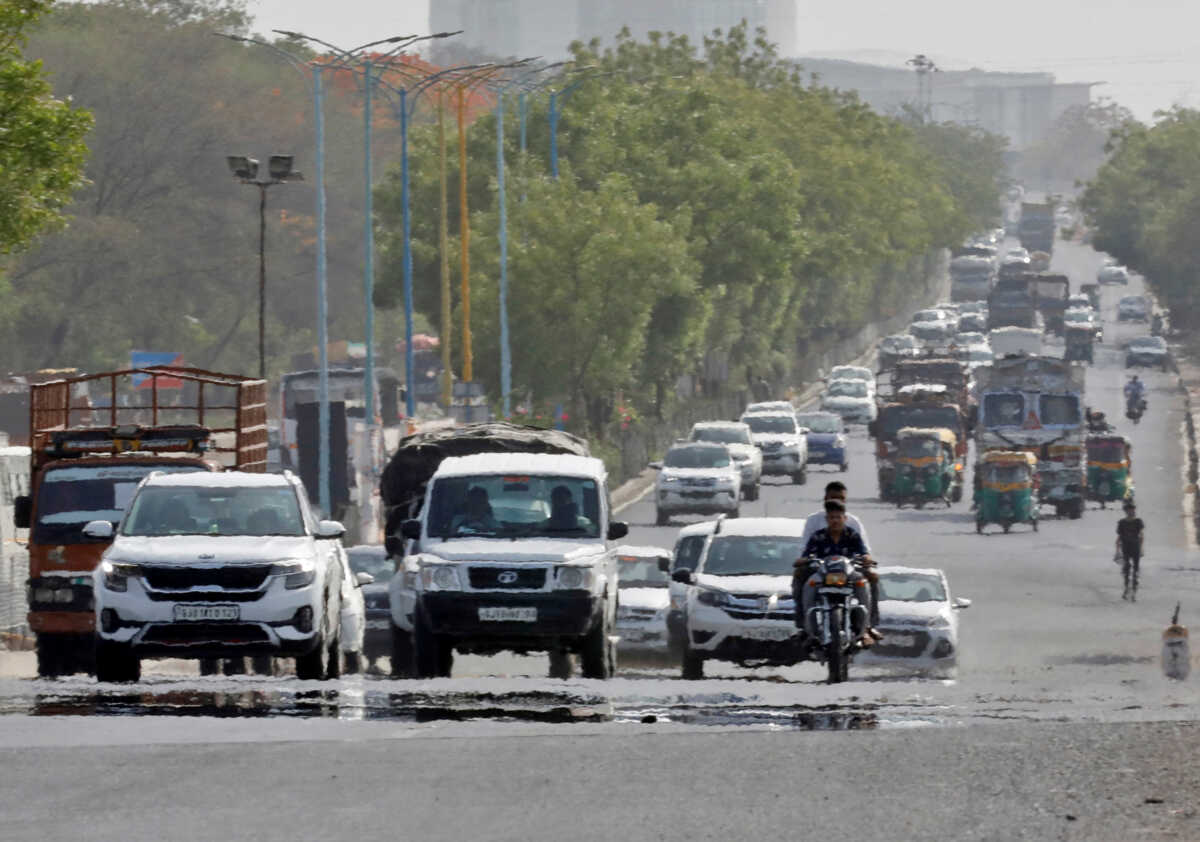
<point x="322" y="316"/>
<point x="369" y="414"/>
<point x="505" y="353"/>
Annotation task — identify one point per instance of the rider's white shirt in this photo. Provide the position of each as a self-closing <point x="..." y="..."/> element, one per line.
<point x="816" y="521"/>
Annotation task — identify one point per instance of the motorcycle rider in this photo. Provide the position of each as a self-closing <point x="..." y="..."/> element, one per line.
<point x="1135" y="390"/>
<point x="837" y="538"/>
<point x="817" y="521"/>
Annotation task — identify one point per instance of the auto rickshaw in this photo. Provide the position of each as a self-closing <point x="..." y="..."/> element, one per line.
<point x="1007" y="492"/>
<point x="1078" y="344"/>
<point x="1109" y="469"/>
<point x="926" y="467"/>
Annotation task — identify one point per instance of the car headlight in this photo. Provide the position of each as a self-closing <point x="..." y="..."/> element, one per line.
<point x="791" y="444"/>
<point x="939" y="623"/>
<point x="667" y="480"/>
<point x="713" y="598"/>
<point x="440" y="577"/>
<point x="116" y="577"/>
<point x="839" y="442"/>
<point x="573" y="578"/>
<point x="741" y="457"/>
<point x="298" y="574"/>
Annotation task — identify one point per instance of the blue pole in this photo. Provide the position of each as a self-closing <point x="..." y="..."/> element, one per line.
<point x="554" y="135"/>
<point x="505" y="354"/>
<point x="368" y="260"/>
<point x="409" y="399"/>
<point x="322" y="327"/>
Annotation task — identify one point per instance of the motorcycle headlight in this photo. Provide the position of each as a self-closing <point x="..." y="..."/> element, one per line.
<point x="835" y="578"/>
<point x="116" y="577"/>
<point x="713" y="598"/>
<point x="573" y="578"/>
<point x="440" y="577"/>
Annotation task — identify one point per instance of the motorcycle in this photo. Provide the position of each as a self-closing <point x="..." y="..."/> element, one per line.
<point x="1135" y="408"/>
<point x="837" y="616"/>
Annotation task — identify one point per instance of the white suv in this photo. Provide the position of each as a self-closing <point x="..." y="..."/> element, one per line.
<point x="739" y="604"/>
<point x="737" y="437"/>
<point x="696" y="478"/>
<point x="218" y="565"/>
<point x="783" y="442"/>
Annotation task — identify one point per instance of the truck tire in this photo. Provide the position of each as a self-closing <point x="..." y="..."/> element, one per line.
<point x="50" y="659"/>
<point x="402" y="653"/>
<point x="433" y="657"/>
<point x="597" y="659"/>
<point x="752" y="493"/>
<point x="561" y="665"/>
<point x="262" y="665"/>
<point x="116" y="663"/>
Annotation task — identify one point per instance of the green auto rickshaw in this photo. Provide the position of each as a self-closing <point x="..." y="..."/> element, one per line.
<point x="1007" y="490"/>
<point x="1109" y="468"/>
<point x="926" y="467"/>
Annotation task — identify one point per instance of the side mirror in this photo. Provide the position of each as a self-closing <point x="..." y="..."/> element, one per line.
<point x="657" y="466"/>
<point x="664" y="564"/>
<point x="98" y="529"/>
<point x="329" y="529"/>
<point x="22" y="511"/>
<point x="960" y="604"/>
<point x="364" y="579"/>
<point x="410" y="529"/>
<point x="683" y="576"/>
<point x="617" y="530"/>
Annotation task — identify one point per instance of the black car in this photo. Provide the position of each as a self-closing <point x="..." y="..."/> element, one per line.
<point x="373" y="559"/>
<point x="1147" y="351"/>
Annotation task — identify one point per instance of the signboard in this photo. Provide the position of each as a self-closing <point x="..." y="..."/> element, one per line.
<point x="142" y="359"/>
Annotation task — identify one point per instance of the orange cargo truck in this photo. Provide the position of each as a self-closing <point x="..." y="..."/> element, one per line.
<point x="87" y="460"/>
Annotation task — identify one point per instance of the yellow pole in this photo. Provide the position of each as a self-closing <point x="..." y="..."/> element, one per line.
<point x="444" y="246"/>
<point x="465" y="235"/>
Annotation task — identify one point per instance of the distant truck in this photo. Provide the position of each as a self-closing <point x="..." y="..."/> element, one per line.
<point x="1052" y="294"/>
<point x="1036" y="228"/>
<point x="971" y="276"/>
<point x="1013" y="303"/>
<point x="85" y="464"/>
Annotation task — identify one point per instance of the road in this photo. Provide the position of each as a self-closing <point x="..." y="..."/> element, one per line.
<point x="1058" y="725"/>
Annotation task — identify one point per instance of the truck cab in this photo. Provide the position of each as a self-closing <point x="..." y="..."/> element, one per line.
<point x="513" y="552"/>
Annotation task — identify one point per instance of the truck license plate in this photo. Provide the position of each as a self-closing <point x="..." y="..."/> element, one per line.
<point x="781" y="633"/>
<point x="207" y="612"/>
<point x="508" y="615"/>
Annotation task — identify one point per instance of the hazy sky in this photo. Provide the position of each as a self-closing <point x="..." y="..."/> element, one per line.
<point x="1148" y="53"/>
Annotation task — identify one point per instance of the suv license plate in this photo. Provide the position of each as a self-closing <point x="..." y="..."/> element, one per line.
<point x="769" y="634"/>
<point x="208" y="612"/>
<point x="508" y="615"/>
<point x="900" y="640"/>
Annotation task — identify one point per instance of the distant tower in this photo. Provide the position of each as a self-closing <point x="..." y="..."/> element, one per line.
<point x="925" y="68"/>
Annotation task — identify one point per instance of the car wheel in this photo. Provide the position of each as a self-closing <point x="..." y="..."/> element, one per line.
<point x="314" y="666"/>
<point x="595" y="659"/>
<point x="433" y="657"/>
<point x="845" y="466"/>
<point x="50" y="660"/>
<point x="402" y="653"/>
<point x="116" y="663"/>
<point x="561" y="665"/>
<point x="752" y="492"/>
<point x="693" y="665"/>
<point x="335" y="658"/>
<point x="352" y="663"/>
<point x="735" y="513"/>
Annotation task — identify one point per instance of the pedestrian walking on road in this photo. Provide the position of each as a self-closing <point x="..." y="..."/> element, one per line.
<point x="1131" y="533"/>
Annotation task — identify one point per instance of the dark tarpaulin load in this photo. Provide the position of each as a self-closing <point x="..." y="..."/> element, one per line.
<point x="417" y="458"/>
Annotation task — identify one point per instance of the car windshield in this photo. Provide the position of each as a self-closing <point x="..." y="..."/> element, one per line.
<point x="898" y="343"/>
<point x="501" y="505"/>
<point x="928" y="316"/>
<point x="771" y="423"/>
<point x="1107" y="451"/>
<point x="370" y="559"/>
<point x="1003" y="410"/>
<point x="637" y="572"/>
<point x="1003" y="474"/>
<point x="201" y="510"/>
<point x="697" y="457"/>
<point x="849" y="372"/>
<point x="68" y="498"/>
<point x="1155" y="342"/>
<point x="742" y="555"/>
<point x="722" y="435"/>
<point x="979" y="355"/>
<point x="930" y="330"/>
<point x="687" y="552"/>
<point x="1077" y="316"/>
<point x="911" y="587"/>
<point x="821" y="423"/>
<point x="847" y="389"/>
<point x="1055" y="410"/>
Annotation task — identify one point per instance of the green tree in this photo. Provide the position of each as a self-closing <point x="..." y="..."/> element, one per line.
<point x="41" y="138"/>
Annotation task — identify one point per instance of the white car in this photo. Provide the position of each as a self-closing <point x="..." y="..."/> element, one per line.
<point x="1113" y="274"/>
<point x="919" y="621"/>
<point x="352" y="634"/>
<point x="851" y="399"/>
<point x="783" y="444"/>
<point x="643" y="600"/>
<point x="1017" y="254"/>
<point x="219" y="565"/>
<point x="1133" y="308"/>
<point x="970" y="338"/>
<point x="936" y="315"/>
<point x="696" y="478"/>
<point x="1083" y="317"/>
<point x="769" y="406"/>
<point x="854" y="372"/>
<point x="739" y="603"/>
<point x="737" y="437"/>
<point x="689" y="545"/>
<point x="1079" y="302"/>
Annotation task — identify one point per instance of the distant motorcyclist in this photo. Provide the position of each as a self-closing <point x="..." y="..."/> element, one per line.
<point x="837" y="538"/>
<point x="1135" y="390"/>
<point x="1156" y="325"/>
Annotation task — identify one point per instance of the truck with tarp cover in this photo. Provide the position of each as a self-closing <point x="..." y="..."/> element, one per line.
<point x="1036" y="404"/>
<point x="951" y="373"/>
<point x="86" y="462"/>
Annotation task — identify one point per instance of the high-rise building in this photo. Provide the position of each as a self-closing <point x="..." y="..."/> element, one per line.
<point x="546" y="27"/>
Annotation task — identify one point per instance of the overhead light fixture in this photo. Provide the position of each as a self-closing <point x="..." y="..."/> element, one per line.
<point x="242" y="167"/>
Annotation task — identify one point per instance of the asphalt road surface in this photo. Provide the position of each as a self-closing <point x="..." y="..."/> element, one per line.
<point x="1059" y="725"/>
